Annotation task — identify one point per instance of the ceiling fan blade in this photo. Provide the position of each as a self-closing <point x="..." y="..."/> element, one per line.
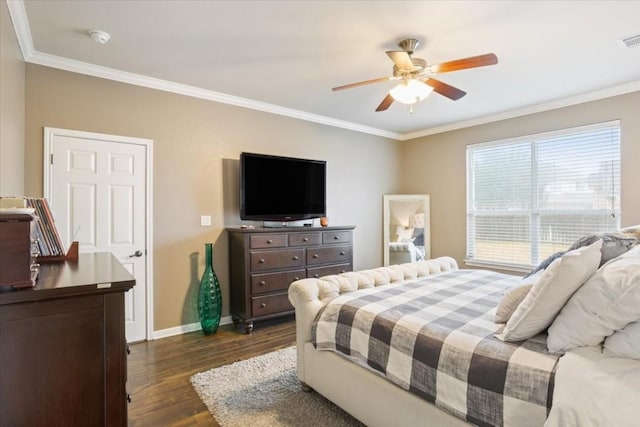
<point x="386" y="103"/>
<point x="445" y="90"/>
<point x="462" y="64"/>
<point x="366" y="82"/>
<point x="401" y="59"/>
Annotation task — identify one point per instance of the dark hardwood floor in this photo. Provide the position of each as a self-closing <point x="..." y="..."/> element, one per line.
<point x="159" y="371"/>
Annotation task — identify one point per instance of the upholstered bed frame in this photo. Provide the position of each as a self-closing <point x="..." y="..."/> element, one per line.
<point x="361" y="392"/>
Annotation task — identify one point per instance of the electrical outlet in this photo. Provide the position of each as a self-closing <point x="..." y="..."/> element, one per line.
<point x="205" y="220"/>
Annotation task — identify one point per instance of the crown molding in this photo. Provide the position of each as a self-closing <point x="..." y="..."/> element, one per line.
<point x="23" y="33"/>
<point x="20" y="22"/>
<point x="538" y="108"/>
<point x="195" y="92"/>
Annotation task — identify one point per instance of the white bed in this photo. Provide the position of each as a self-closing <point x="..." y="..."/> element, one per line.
<point x="361" y="392"/>
<point x="593" y="389"/>
<point x="376" y="401"/>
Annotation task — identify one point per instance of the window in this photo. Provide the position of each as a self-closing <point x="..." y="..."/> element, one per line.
<point x="530" y="197"/>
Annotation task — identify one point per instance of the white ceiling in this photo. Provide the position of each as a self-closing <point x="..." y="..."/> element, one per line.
<point x="285" y="56"/>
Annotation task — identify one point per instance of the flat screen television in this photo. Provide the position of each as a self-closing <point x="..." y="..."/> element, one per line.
<point x="274" y="188"/>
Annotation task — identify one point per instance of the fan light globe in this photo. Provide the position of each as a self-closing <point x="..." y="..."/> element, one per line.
<point x="410" y="92"/>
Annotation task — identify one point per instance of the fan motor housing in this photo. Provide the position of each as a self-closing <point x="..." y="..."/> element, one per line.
<point x="418" y="67"/>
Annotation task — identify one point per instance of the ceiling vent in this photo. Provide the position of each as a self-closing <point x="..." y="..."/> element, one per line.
<point x="631" y="41"/>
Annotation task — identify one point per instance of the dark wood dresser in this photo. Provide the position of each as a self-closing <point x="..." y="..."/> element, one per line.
<point x="62" y="346"/>
<point x="265" y="261"/>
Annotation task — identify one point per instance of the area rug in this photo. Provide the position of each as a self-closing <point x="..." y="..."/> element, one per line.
<point x="264" y="391"/>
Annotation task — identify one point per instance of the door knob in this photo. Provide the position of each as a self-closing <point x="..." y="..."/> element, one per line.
<point x="137" y="254"/>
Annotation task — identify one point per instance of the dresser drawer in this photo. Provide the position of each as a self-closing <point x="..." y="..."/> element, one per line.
<point x="269" y="282"/>
<point x="272" y="304"/>
<point x="336" y="237"/>
<point x="328" y="270"/>
<point x="261" y="241"/>
<point x="305" y="239"/>
<point x="268" y="260"/>
<point x="328" y="254"/>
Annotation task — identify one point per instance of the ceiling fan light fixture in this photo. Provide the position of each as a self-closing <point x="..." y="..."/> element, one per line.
<point x="411" y="91"/>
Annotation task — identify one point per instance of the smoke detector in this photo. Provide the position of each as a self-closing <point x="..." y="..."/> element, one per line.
<point x="99" y="36"/>
<point x="631" y="41"/>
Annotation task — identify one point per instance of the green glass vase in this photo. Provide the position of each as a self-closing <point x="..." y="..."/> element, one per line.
<point x="209" y="297"/>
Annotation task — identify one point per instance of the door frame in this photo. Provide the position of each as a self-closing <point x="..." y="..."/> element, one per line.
<point x="50" y="133"/>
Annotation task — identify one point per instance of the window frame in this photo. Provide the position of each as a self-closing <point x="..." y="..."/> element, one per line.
<point x="534" y="212"/>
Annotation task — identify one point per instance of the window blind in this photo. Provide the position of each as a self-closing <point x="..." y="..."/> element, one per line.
<point x="530" y="197"/>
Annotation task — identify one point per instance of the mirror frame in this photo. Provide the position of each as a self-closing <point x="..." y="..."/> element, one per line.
<point x="388" y="199"/>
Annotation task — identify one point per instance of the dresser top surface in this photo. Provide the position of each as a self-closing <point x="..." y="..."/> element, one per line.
<point x="256" y="229"/>
<point x="89" y="274"/>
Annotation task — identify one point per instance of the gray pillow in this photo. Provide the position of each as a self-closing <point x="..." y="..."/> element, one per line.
<point x="418" y="234"/>
<point x="613" y="245"/>
<point x="544" y="264"/>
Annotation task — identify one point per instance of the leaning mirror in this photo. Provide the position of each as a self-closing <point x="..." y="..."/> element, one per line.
<point x="407" y="236"/>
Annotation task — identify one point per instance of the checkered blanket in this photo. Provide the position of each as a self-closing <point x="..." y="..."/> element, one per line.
<point x="434" y="337"/>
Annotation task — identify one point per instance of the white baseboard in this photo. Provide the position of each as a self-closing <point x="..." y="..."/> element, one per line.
<point x="183" y="329"/>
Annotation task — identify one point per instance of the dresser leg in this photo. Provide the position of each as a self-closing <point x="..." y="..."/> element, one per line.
<point x="236" y="320"/>
<point x="248" y="326"/>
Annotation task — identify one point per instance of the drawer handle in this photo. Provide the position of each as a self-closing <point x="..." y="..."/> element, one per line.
<point x="269" y="241"/>
<point x="343" y="271"/>
<point x="128" y="398"/>
<point x="316" y="275"/>
<point x="261" y="261"/>
<point x="295" y="279"/>
<point x="295" y="257"/>
<point x="336" y="237"/>
<point x="316" y="256"/>
<point x="128" y="350"/>
<point x="263" y="305"/>
<point x="343" y="253"/>
<point x="306" y="239"/>
<point x="262" y="283"/>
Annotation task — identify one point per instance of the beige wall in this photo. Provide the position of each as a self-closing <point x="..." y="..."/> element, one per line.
<point x="436" y="164"/>
<point x="11" y="109"/>
<point x="196" y="149"/>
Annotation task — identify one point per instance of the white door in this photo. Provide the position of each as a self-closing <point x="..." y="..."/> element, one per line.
<point x="98" y="192"/>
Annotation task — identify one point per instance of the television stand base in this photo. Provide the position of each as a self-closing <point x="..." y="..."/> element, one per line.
<point x="284" y="224"/>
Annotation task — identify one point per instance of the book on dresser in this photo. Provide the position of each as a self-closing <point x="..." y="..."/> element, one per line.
<point x="265" y="261"/>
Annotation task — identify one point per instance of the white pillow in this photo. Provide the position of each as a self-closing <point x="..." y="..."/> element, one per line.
<point x="417" y="220"/>
<point x="510" y="302"/>
<point x="551" y="291"/>
<point x="631" y="229"/>
<point x="625" y="342"/>
<point x="513" y="297"/>
<point x="607" y="302"/>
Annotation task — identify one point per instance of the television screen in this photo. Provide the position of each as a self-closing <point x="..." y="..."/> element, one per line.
<point x="274" y="188"/>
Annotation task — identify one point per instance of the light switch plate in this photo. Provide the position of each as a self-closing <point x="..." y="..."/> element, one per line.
<point x="205" y="220"/>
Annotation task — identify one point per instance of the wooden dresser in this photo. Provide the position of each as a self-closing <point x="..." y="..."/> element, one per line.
<point x="265" y="261"/>
<point x="62" y="346"/>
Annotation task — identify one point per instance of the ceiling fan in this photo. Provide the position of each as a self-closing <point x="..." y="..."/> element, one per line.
<point x="416" y="75"/>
